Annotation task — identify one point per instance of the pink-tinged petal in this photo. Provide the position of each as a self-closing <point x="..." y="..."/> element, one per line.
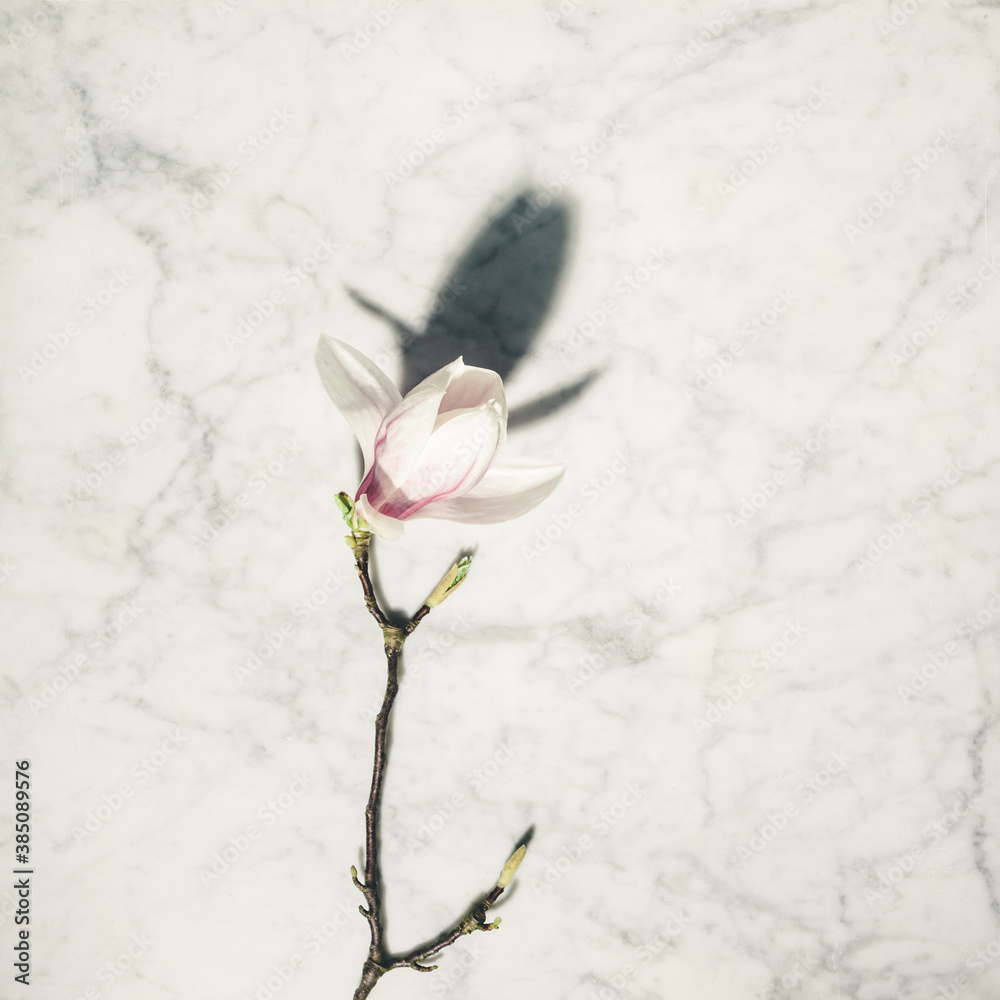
<point x="453" y="462"/>
<point x="505" y="492"/>
<point x="406" y="430"/>
<point x="385" y="527"/>
<point x="359" y="388"/>
<point x="402" y="437"/>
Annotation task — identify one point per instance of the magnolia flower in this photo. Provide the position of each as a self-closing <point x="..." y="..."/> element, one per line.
<point x="431" y="453"/>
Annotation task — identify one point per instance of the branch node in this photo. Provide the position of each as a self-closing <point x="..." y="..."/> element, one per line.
<point x="394" y="637"/>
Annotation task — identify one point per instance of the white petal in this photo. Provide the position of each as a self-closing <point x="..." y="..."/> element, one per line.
<point x="402" y="437"/>
<point x="404" y="433"/>
<point x="385" y="527"/>
<point x="453" y="462"/>
<point x="472" y="387"/>
<point x="359" y="388"/>
<point x="505" y="492"/>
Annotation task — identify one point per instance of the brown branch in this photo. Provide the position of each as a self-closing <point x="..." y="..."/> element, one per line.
<point x="379" y="960"/>
<point x="359" y="542"/>
<point x="474" y="920"/>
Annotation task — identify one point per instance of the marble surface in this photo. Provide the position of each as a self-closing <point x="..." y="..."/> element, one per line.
<point x="738" y="675"/>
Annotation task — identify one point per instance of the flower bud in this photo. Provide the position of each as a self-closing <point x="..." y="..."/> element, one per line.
<point x="350" y="513"/>
<point x="449" y="581"/>
<point x="513" y="862"/>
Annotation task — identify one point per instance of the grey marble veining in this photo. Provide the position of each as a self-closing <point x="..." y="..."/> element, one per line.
<point x="739" y="673"/>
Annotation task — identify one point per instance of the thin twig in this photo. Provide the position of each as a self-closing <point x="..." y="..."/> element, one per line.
<point x="474" y="920"/>
<point x="379" y="960"/>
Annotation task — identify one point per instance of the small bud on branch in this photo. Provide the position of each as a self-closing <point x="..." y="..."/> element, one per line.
<point x="513" y="863"/>
<point x="351" y="515"/>
<point x="449" y="582"/>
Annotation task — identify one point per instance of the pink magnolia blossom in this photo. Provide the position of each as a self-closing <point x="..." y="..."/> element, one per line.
<point x="432" y="452"/>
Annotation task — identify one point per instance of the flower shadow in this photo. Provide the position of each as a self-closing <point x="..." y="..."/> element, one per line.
<point x="491" y="309"/>
<point x="492" y="305"/>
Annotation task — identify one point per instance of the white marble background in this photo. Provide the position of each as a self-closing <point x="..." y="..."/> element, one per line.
<point x="746" y="689"/>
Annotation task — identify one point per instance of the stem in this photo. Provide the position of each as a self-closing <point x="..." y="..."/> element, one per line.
<point x="393" y="643"/>
<point x="370" y="975"/>
<point x="475" y="919"/>
<point x="379" y="960"/>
